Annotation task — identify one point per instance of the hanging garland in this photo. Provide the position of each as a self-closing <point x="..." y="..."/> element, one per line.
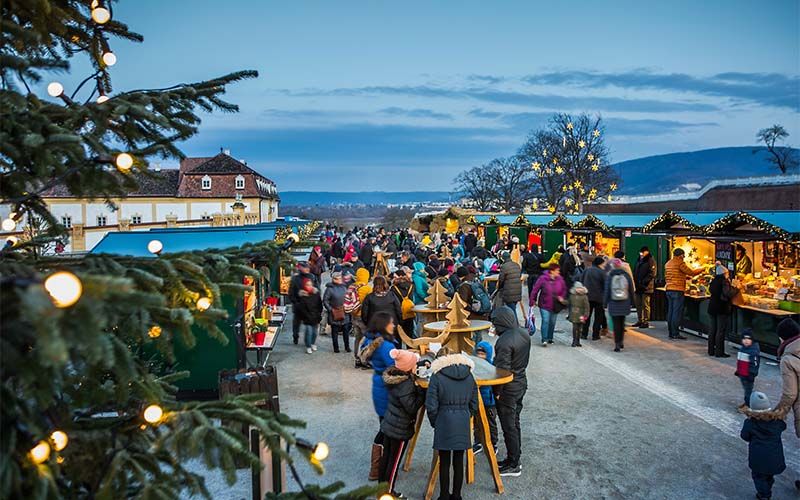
<point x="521" y="220"/>
<point x="730" y="222"/>
<point x="670" y="218"/>
<point x="560" y="221"/>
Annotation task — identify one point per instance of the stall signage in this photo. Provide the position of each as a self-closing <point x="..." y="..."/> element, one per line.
<point x="723" y="252"/>
<point x="628" y="233"/>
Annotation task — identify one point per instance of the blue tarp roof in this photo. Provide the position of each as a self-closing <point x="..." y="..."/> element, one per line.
<point x="177" y="240"/>
<point x="625" y="221"/>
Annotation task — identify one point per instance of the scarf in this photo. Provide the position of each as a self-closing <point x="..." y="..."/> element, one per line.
<point x="785" y="343"/>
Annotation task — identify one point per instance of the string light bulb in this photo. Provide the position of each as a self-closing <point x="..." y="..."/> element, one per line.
<point x="153" y="414"/>
<point x="59" y="439"/>
<point x="155" y="247"/>
<point x="64" y="288"/>
<point x="386" y="496"/>
<point x="12" y="241"/>
<point x="581" y="144"/>
<point x="154" y="331"/>
<point x="55" y="89"/>
<point x="101" y="15"/>
<point x="102" y="98"/>
<point x="570" y="126"/>
<point x="40" y="453"/>
<point x="109" y="59"/>
<point x="124" y="161"/>
<point x="203" y="303"/>
<point x="596" y="133"/>
<point x="9" y="224"/>
<point x="321" y="451"/>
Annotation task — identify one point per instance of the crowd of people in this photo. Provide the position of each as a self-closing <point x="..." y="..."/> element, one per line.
<point x="378" y="276"/>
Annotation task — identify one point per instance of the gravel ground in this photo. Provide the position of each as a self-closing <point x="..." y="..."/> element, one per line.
<point x="656" y="421"/>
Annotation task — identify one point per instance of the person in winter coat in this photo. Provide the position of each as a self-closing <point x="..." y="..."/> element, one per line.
<point x="644" y="276"/>
<point x="676" y="272"/>
<point x="375" y="351"/>
<point x="509" y="283"/>
<point x="594" y="279"/>
<point x="578" y="311"/>
<point x="569" y="263"/>
<point x="531" y="265"/>
<point x="470" y="241"/>
<point x="512" y="353"/>
<point x="552" y="295"/>
<point x="403" y="404"/>
<point x="762" y="430"/>
<point x="420" y="280"/>
<point x="354" y="300"/>
<point x="381" y="300"/>
<point x="479" y="252"/>
<point x="317" y="262"/>
<point x="295" y="285"/>
<point x="747" y="363"/>
<point x="618" y="298"/>
<point x="309" y="310"/>
<point x="403" y="289"/>
<point x="789" y="354"/>
<point x="366" y="253"/>
<point x="721" y="291"/>
<point x="333" y="301"/>
<point x="451" y="401"/>
<point x="484" y="350"/>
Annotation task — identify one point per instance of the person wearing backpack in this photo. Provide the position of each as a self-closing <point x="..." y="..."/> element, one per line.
<point x="403" y="289"/>
<point x="353" y="299"/>
<point x="473" y="294"/>
<point x="618" y="299"/>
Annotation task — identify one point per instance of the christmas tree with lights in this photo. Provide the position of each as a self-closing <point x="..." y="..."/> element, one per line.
<point x="85" y="411"/>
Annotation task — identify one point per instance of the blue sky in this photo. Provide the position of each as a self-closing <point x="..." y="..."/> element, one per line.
<point x="401" y="96"/>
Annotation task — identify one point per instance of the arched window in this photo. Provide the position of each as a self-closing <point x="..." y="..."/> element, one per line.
<point x="239" y="182"/>
<point x="206" y="182"/>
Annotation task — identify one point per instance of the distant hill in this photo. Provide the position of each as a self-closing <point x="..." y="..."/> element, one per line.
<point x="663" y="173"/>
<point x="368" y="198"/>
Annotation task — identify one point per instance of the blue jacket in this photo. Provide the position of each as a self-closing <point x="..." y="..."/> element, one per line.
<point x="762" y="430"/>
<point x="375" y="349"/>
<point x="747" y="362"/>
<point x="487" y="394"/>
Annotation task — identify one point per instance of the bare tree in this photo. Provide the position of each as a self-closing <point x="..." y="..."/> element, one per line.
<point x="570" y="162"/>
<point x="781" y="156"/>
<point x="475" y="185"/>
<point x="513" y="180"/>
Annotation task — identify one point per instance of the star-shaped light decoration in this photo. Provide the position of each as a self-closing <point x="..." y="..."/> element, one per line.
<point x="609" y="197"/>
<point x="596" y="133"/>
<point x="551" y="209"/>
<point x="577" y="184"/>
<point x="548" y="171"/>
<point x="559" y="170"/>
<point x="568" y="202"/>
<point x="590" y="157"/>
<point x="593" y="192"/>
<point x="536" y="165"/>
<point x="536" y="204"/>
<point x="595" y="167"/>
<point x="613" y="186"/>
<point x="583" y="190"/>
<point x="569" y="126"/>
<point x="544" y="152"/>
<point x="581" y="143"/>
<point x="555" y="160"/>
<point x="564" y="188"/>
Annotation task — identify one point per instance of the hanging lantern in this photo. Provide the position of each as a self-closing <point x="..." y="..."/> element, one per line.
<point x="64" y="288"/>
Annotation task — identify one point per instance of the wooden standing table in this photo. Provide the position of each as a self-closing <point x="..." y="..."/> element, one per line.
<point x="485" y="375"/>
<point x="429" y="315"/>
<point x="460" y="338"/>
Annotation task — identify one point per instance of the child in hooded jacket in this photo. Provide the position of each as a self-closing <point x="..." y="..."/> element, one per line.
<point x="404" y="400"/>
<point x="747" y="362"/>
<point x="485" y="351"/>
<point x="578" y="311"/>
<point x="451" y="401"/>
<point x="762" y="430"/>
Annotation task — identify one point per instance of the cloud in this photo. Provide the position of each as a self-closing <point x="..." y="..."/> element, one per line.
<point x="766" y="89"/>
<point x="416" y="113"/>
<point x="486" y="94"/>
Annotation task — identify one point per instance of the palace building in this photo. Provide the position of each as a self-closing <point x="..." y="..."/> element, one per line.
<point x="211" y="191"/>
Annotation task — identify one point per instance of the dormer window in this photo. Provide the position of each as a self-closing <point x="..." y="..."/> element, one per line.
<point x="239" y="182"/>
<point x="205" y="183"/>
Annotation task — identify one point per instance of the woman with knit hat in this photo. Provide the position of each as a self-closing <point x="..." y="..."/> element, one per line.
<point x="618" y="299"/>
<point x="404" y="401"/>
<point x="789" y="354"/>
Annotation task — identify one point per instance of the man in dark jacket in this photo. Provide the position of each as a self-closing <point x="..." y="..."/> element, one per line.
<point x="594" y="279"/>
<point x="512" y="353"/>
<point x="479" y="252"/>
<point x="531" y="265"/>
<point x="644" y="275"/>
<point x="366" y="253"/>
<point x="295" y="285"/>
<point x="509" y="283"/>
<point x="470" y="241"/>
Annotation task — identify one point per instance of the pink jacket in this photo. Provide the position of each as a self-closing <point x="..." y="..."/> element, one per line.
<point x="551" y="290"/>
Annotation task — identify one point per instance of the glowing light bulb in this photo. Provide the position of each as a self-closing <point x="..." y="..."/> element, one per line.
<point x="386" y="496"/>
<point x="321" y="451"/>
<point x="40" y="452"/>
<point x="12" y="241"/>
<point x="152" y="414"/>
<point x="9" y="224"/>
<point x="124" y="161"/>
<point x="155" y="247"/>
<point x="102" y="98"/>
<point x="55" y="89"/>
<point x="109" y="59"/>
<point x="101" y="15"/>
<point x="154" y="332"/>
<point x="95" y="3"/>
<point x="59" y="439"/>
<point x="64" y="288"/>
<point x="203" y="303"/>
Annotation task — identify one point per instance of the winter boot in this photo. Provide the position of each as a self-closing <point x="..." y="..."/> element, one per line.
<point x="375" y="461"/>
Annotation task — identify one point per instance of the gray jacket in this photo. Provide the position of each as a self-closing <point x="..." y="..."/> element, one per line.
<point x="618" y="307"/>
<point x="451" y="400"/>
<point x="594" y="279"/>
<point x="509" y="282"/>
<point x="334" y="297"/>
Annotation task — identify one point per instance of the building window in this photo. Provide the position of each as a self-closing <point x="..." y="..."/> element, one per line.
<point x="206" y="182"/>
<point x="66" y="221"/>
<point x="102" y="220"/>
<point x="239" y="182"/>
<point x="136" y="219"/>
<point x="205" y="217"/>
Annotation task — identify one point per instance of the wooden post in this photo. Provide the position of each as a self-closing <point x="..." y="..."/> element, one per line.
<point x="78" y="238"/>
<point x="172" y="220"/>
